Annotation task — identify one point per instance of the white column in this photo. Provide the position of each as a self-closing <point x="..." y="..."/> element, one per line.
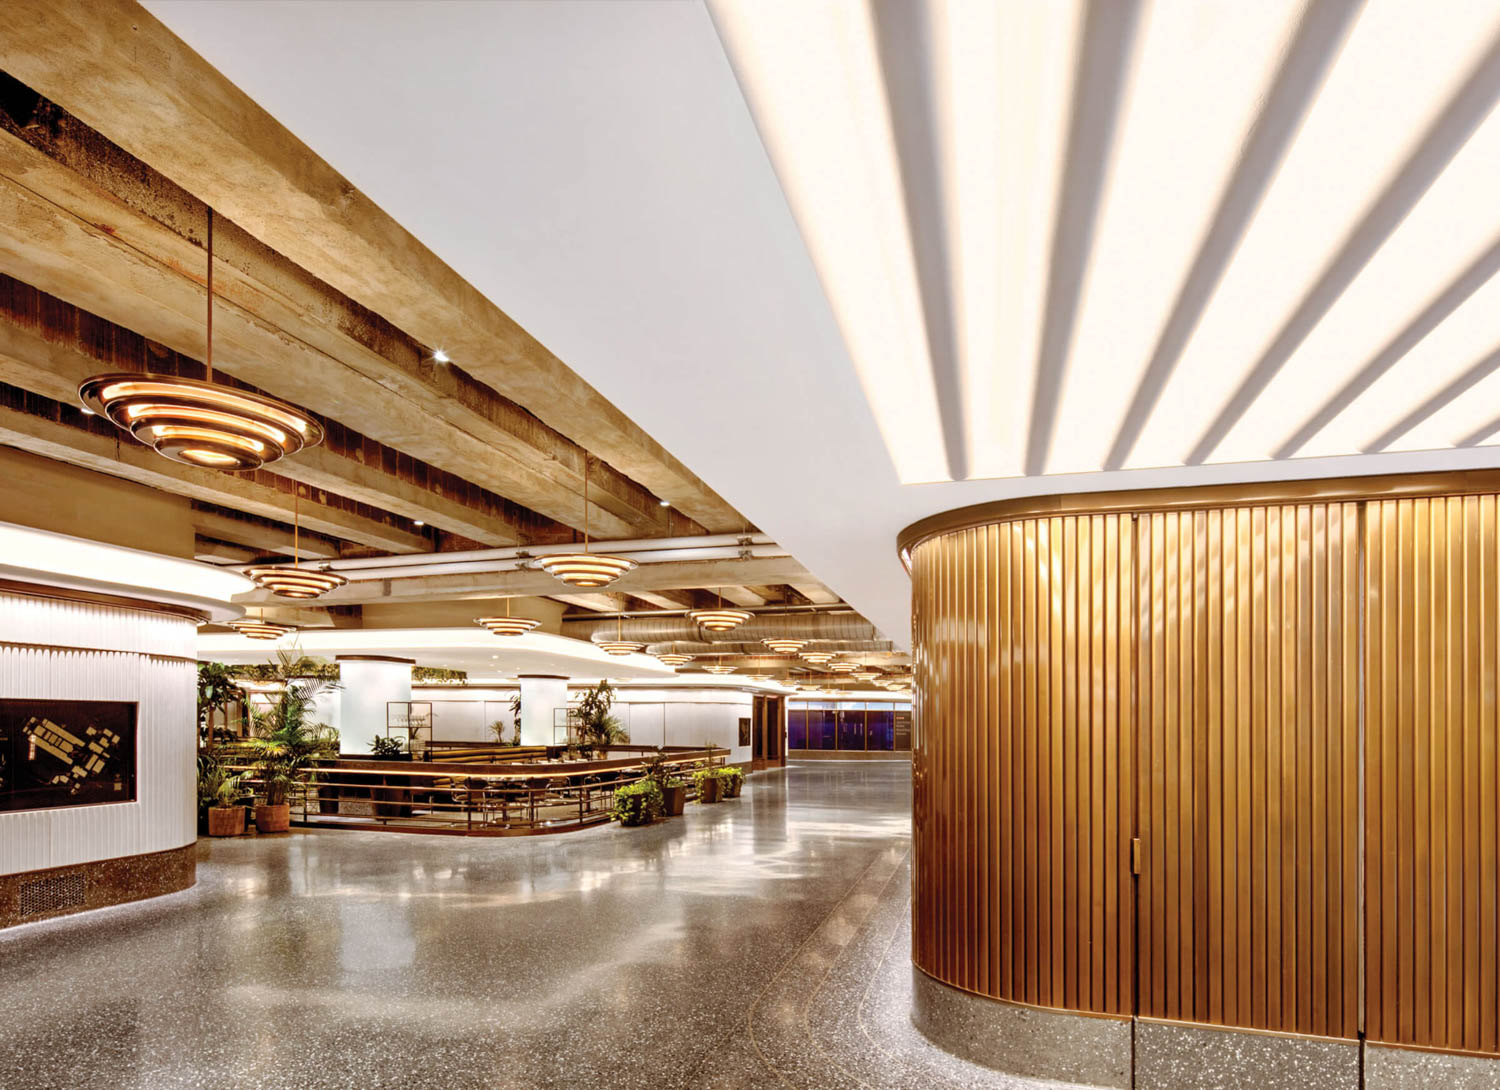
<point x="540" y="699"/>
<point x="366" y="685"/>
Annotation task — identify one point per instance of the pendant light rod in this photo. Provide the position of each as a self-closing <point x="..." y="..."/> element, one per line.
<point x="208" y="348"/>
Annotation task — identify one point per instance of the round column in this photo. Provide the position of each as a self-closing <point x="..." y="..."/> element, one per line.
<point x="541" y="696"/>
<point x="367" y="683"/>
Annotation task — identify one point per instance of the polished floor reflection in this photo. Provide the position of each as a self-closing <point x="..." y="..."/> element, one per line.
<point x="760" y="942"/>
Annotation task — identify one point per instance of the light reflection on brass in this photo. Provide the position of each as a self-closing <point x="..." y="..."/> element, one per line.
<point x="1192" y="675"/>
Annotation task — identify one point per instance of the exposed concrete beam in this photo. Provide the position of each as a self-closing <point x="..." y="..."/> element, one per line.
<point x="668" y="599"/>
<point x="262" y="539"/>
<point x="741" y="595"/>
<point x="221" y="553"/>
<point x="599" y="603"/>
<point x="105" y="453"/>
<point x="674" y="575"/>
<point x="124" y="74"/>
<point x="816" y="593"/>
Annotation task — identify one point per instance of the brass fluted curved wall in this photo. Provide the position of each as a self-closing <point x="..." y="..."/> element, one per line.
<point x="1162" y="756"/>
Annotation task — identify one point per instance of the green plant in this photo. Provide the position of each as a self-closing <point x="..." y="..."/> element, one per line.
<point x="385" y="748"/>
<point x="231" y="791"/>
<point x="211" y="774"/>
<point x="216" y="692"/>
<point x="730" y="773"/>
<point x="639" y="803"/>
<point x="656" y="769"/>
<point x="437" y="674"/>
<point x="596" y="726"/>
<point x="287" y="742"/>
<point x="701" y="774"/>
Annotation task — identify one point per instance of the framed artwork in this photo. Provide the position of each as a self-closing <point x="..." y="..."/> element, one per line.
<point x="66" y="753"/>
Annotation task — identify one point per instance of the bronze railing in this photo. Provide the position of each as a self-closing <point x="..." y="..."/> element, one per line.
<point x="476" y="799"/>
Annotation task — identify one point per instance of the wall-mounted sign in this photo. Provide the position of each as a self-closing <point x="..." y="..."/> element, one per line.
<point x="66" y="753"/>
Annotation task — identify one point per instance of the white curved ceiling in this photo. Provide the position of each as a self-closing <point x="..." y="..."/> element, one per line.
<point x="1004" y="248"/>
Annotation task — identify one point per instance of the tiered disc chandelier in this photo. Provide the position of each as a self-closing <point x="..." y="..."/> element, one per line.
<point x="508" y="625"/>
<point x="784" y="646"/>
<point x="619" y="645"/>
<point x="673" y="659"/>
<point x="585" y="569"/>
<point x="843" y="667"/>
<point x="199" y="422"/>
<point x="818" y="658"/>
<point x="865" y="675"/>
<point x="296" y="581"/>
<point x="258" y="628"/>
<point x="719" y="619"/>
<point x="719" y="668"/>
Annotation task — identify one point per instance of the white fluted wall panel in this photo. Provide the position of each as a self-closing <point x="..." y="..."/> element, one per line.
<point x="57" y="622"/>
<point x="43" y="655"/>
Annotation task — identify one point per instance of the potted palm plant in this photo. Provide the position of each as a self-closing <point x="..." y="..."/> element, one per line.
<point x="286" y="746"/>
<point x="227" y="817"/>
<point x="597" y="727"/>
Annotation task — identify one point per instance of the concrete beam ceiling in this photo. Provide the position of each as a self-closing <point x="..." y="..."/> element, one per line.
<point x="740" y="596"/>
<point x="816" y="593"/>
<point x="671" y="575"/>
<point x="259" y="538"/>
<point x="188" y="122"/>
<point x="278" y="330"/>
<point x="48" y="347"/>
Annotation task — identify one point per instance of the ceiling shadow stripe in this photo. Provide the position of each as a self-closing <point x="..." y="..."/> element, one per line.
<point x="1436" y="150"/>
<point x="1447" y="301"/>
<point x="904" y="39"/>
<point x="1316" y="43"/>
<point x="1448" y="394"/>
<point x="1479" y="435"/>
<point x="1098" y="90"/>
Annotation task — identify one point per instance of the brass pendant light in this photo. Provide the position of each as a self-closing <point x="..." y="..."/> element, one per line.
<point x="674" y="660"/>
<point x="295" y="581"/>
<point x="199" y="422"/>
<point x="258" y="628"/>
<point x="619" y="645"/>
<point x="717" y="667"/>
<point x="784" y="646"/>
<point x="842" y="667"/>
<point x="818" y="658"/>
<point x="719" y="619"/>
<point x="508" y="625"/>
<point x="585" y="569"/>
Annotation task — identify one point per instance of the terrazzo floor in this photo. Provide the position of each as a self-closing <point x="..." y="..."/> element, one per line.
<point x="761" y="942"/>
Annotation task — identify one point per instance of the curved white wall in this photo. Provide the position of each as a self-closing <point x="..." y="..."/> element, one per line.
<point x="66" y="650"/>
<point x="365" y="687"/>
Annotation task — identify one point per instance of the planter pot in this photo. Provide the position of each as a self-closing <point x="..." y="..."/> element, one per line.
<point x="708" y="789"/>
<point x="674" y="800"/>
<point x="273" y="819"/>
<point x="226" y="821"/>
<point x="732" y="787"/>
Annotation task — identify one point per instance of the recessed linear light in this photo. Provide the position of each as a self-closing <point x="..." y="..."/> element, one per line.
<point x="439" y="356"/>
<point x="664" y="503"/>
<point x="418" y="522"/>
